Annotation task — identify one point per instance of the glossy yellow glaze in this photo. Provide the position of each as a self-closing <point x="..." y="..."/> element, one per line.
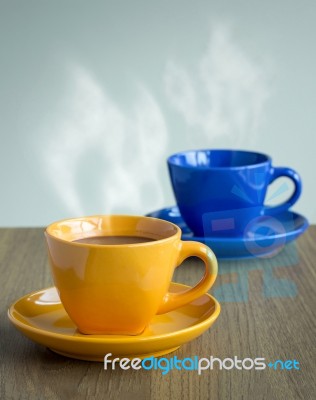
<point x="118" y="289"/>
<point x="41" y="317"/>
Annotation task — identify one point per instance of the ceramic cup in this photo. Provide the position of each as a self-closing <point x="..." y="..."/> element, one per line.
<point x="219" y="192"/>
<point x="118" y="288"/>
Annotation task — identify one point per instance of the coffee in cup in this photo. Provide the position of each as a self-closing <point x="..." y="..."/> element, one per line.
<point x="113" y="272"/>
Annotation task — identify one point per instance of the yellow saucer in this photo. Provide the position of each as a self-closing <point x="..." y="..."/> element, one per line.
<point x="42" y="318"/>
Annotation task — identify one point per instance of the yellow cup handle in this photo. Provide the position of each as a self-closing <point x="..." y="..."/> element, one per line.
<point x="171" y="301"/>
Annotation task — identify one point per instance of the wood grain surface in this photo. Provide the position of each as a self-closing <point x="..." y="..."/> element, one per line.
<point x="268" y="311"/>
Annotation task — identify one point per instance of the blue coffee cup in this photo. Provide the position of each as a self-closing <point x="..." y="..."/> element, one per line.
<point x="219" y="192"/>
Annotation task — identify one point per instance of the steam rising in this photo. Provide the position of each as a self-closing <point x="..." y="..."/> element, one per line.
<point x="97" y="142"/>
<point x="224" y="95"/>
<point x="104" y="158"/>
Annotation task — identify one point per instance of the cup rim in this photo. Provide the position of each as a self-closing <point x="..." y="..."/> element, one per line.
<point x="48" y="231"/>
<point x="227" y="168"/>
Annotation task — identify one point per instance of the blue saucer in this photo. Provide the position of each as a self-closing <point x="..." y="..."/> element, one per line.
<point x="265" y="238"/>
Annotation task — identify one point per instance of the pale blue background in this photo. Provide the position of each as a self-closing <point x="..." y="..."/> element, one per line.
<point x="94" y="95"/>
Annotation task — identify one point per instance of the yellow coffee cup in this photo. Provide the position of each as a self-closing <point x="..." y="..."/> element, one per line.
<point x="113" y="272"/>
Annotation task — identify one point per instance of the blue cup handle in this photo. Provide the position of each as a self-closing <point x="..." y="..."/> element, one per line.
<point x="277" y="172"/>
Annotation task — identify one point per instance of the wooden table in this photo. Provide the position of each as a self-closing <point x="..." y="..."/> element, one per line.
<point x="268" y="311"/>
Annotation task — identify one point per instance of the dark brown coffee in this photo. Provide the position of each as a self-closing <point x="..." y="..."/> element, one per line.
<point x="114" y="240"/>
